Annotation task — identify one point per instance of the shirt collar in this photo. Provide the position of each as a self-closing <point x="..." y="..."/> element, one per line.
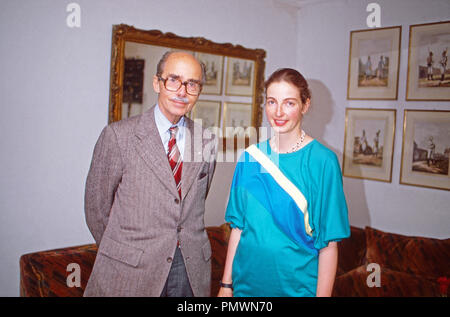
<point x="163" y="123"/>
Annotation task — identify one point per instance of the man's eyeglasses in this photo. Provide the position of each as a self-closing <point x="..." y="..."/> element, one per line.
<point x="172" y="83"/>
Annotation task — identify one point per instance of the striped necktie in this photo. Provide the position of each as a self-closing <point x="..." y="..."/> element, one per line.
<point x="175" y="158"/>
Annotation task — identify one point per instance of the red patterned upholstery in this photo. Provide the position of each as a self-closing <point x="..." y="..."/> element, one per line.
<point x="218" y="236"/>
<point x="393" y="284"/>
<point x="44" y="274"/>
<point x="410" y="266"/>
<point x="352" y="251"/>
<point x="414" y="255"/>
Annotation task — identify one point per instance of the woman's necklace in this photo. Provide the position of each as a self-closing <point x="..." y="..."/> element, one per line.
<point x="294" y="148"/>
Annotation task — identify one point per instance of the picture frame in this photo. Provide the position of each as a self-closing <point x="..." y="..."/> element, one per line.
<point x="369" y="143"/>
<point x="150" y="45"/>
<point x="236" y="120"/>
<point x="374" y="62"/>
<point x="426" y="149"/>
<point x="240" y="77"/>
<point x="209" y="112"/>
<point x="214" y="73"/>
<point x="428" y="62"/>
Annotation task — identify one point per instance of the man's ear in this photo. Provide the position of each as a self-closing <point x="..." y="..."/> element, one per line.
<point x="156" y="84"/>
<point x="306" y="106"/>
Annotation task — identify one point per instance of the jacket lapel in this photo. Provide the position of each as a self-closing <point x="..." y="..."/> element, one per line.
<point x="149" y="146"/>
<point x="192" y="157"/>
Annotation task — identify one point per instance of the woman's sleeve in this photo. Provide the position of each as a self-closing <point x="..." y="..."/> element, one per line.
<point x="236" y="201"/>
<point x="330" y="213"/>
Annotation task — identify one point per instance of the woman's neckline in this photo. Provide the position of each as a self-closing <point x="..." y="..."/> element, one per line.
<point x="295" y="152"/>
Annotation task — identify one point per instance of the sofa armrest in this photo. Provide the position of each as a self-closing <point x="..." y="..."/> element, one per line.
<point x="44" y="274"/>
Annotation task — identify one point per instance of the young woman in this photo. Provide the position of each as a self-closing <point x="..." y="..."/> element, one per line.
<point x="287" y="207"/>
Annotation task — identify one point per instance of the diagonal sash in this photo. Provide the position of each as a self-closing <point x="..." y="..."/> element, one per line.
<point x="284" y="183"/>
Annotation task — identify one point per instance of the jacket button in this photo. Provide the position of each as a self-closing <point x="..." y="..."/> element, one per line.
<point x="179" y="228"/>
<point x="177" y="201"/>
<point x="169" y="260"/>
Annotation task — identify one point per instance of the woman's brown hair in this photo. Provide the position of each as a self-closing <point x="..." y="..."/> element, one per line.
<point x="293" y="77"/>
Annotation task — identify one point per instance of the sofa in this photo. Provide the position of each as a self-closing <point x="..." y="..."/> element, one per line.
<point x="404" y="266"/>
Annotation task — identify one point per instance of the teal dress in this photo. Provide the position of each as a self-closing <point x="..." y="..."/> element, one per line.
<point x="276" y="254"/>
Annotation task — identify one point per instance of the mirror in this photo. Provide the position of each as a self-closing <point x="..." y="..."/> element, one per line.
<point x="231" y="99"/>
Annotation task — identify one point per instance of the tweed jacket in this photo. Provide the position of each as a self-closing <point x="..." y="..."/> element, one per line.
<point x="135" y="213"/>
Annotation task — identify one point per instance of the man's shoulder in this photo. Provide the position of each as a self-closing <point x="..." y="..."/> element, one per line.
<point x="138" y="124"/>
<point x="126" y="123"/>
<point x="121" y="130"/>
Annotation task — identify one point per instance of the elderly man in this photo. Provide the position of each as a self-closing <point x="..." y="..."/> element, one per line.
<point x="146" y="190"/>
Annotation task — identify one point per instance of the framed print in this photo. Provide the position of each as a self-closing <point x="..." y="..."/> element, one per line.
<point x="369" y="143"/>
<point x="374" y="63"/>
<point x="236" y="119"/>
<point x="426" y="149"/>
<point x="214" y="73"/>
<point x="428" y="67"/>
<point x="240" y="77"/>
<point x="209" y="112"/>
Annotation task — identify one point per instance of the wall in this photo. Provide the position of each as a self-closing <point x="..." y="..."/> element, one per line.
<point x="323" y="47"/>
<point x="55" y="87"/>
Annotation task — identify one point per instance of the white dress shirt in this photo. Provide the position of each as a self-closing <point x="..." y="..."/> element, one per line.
<point x="163" y="124"/>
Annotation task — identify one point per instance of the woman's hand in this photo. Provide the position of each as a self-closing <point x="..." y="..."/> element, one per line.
<point x="225" y="292"/>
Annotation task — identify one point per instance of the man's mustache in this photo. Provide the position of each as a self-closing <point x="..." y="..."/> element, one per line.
<point x="184" y="100"/>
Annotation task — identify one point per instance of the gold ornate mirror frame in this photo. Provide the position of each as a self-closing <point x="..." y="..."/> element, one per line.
<point x="124" y="33"/>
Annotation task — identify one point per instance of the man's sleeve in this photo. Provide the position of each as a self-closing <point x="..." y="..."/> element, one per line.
<point x="102" y="181"/>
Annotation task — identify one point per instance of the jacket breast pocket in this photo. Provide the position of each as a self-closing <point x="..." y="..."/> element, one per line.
<point x="120" y="252"/>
